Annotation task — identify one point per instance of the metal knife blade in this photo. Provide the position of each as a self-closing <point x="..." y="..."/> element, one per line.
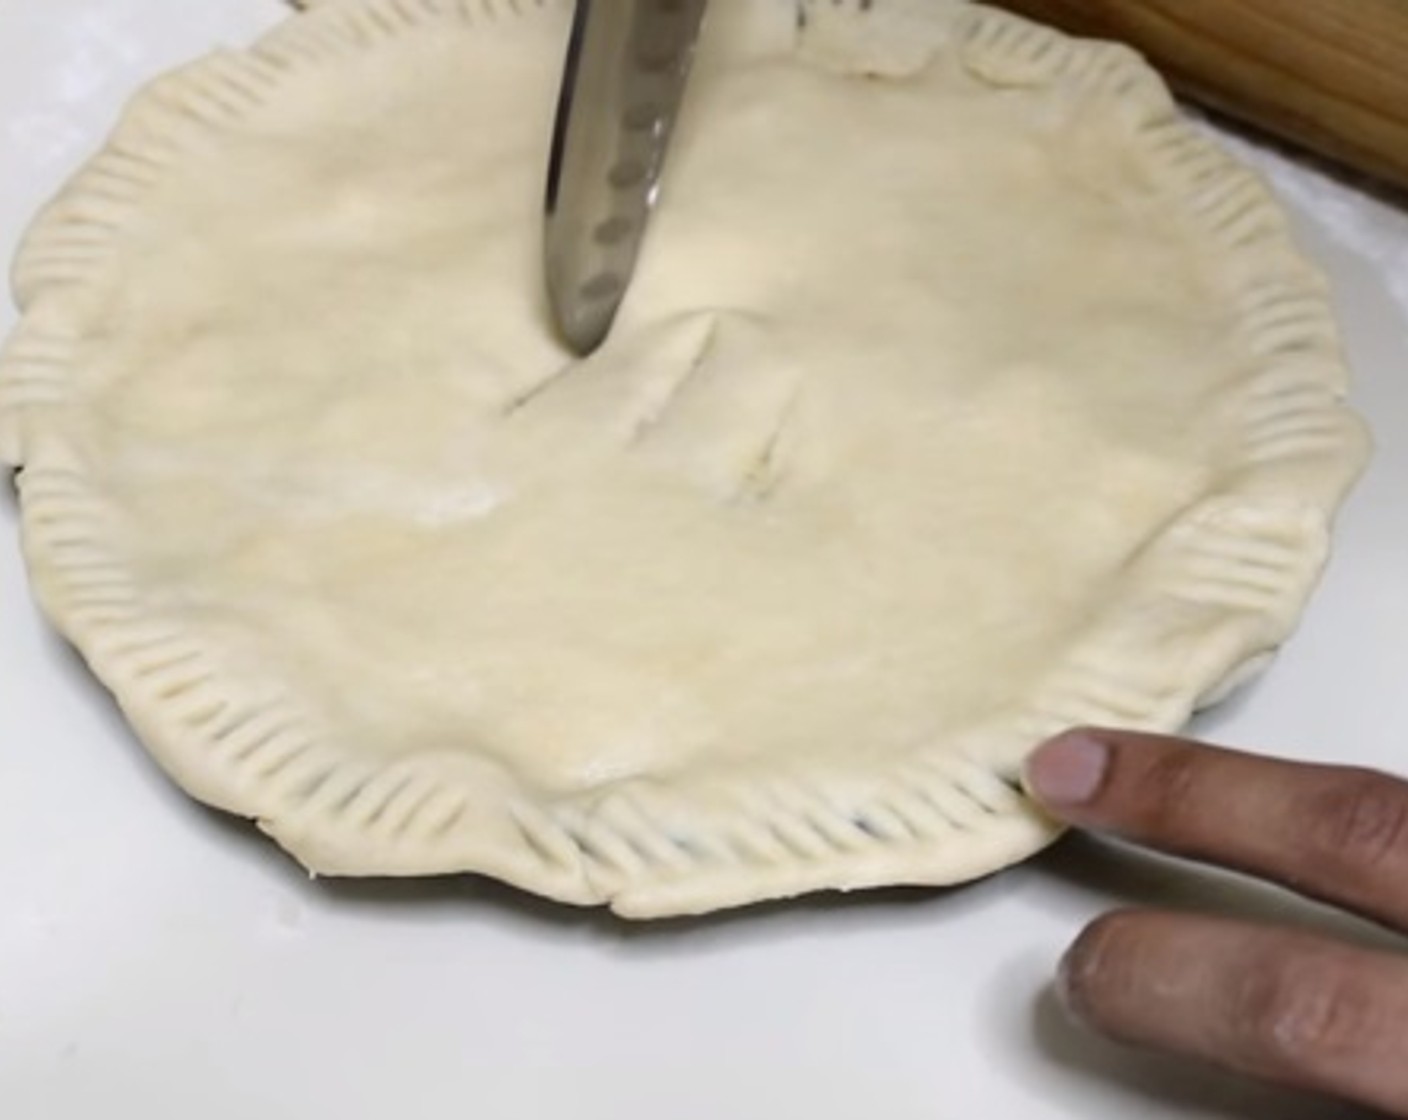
<point x="628" y="64"/>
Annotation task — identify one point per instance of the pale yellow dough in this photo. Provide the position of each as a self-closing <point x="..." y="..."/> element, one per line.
<point x="964" y="393"/>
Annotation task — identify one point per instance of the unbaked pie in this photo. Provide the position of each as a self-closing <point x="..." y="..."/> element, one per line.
<point x="965" y="392"/>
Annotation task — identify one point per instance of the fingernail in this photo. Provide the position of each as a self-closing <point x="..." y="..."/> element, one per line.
<point x="1068" y="770"/>
<point x="1065" y="987"/>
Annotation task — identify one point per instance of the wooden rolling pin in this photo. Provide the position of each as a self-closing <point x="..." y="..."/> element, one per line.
<point x="1328" y="75"/>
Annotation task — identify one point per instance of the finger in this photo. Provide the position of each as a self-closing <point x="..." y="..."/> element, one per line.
<point x="1278" y="1005"/>
<point x="1338" y="834"/>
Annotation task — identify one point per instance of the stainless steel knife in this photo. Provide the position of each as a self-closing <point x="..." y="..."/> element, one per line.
<point x="628" y="64"/>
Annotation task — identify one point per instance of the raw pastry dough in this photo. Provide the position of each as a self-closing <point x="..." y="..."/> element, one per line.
<point x="964" y="393"/>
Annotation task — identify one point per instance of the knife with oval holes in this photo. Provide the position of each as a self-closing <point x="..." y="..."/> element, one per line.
<point x="627" y="67"/>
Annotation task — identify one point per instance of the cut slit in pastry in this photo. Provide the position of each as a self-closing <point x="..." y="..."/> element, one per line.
<point x="964" y="393"/>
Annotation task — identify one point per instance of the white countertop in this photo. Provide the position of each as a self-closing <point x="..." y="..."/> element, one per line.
<point x="159" y="961"/>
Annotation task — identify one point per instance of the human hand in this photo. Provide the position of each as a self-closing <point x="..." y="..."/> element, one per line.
<point x="1276" y="1003"/>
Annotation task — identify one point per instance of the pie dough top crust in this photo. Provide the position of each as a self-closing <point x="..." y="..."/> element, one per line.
<point x="964" y="393"/>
